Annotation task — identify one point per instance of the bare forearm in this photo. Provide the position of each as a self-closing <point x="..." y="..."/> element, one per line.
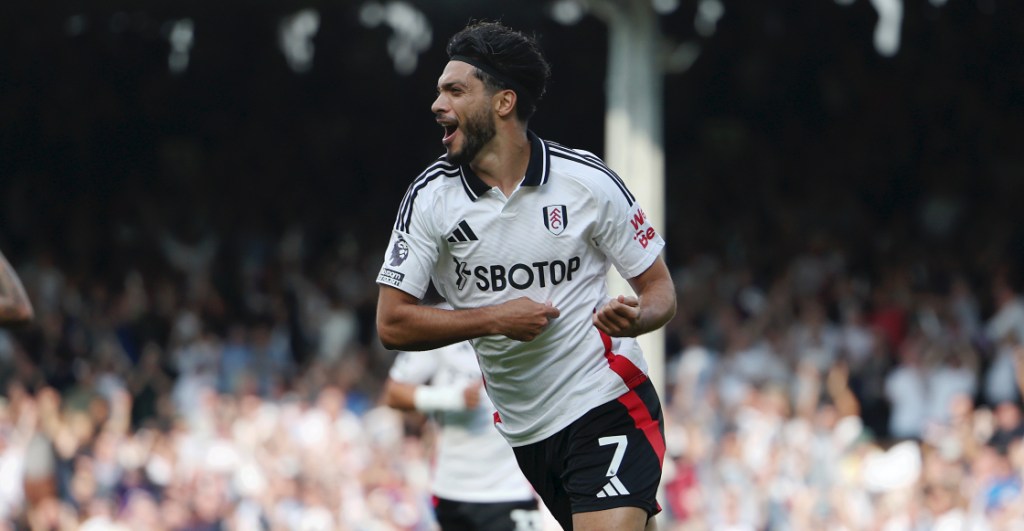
<point x="419" y="328"/>
<point x="652" y="307"/>
<point x="656" y="294"/>
<point x="400" y="395"/>
<point x="657" y="305"/>
<point x="404" y="324"/>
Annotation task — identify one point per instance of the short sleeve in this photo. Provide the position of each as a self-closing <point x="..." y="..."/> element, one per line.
<point x="623" y="231"/>
<point x="408" y="263"/>
<point x="412" y="252"/>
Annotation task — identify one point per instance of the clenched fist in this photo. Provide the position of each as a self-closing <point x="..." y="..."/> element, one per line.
<point x="619" y="317"/>
<point x="524" y="319"/>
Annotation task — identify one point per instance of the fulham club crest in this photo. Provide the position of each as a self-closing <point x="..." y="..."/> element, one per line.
<point x="555" y="218"/>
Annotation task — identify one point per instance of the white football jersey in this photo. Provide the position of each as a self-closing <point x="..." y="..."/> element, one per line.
<point x="553" y="239"/>
<point x="474" y="463"/>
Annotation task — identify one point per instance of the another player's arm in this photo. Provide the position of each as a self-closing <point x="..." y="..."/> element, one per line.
<point x="652" y="307"/>
<point x="1018" y="352"/>
<point x="404" y="324"/>
<point x="427" y="398"/>
<point x="15" y="306"/>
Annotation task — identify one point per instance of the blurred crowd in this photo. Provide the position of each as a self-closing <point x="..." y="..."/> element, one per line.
<point x="825" y="399"/>
<point x="157" y="403"/>
<point x="201" y="252"/>
<point x="818" y="398"/>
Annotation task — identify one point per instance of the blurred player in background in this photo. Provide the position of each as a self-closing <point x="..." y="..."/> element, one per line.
<point x="14" y="304"/>
<point x="477" y="484"/>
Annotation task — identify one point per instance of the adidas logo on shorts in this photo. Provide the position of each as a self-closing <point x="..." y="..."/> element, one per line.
<point x="614" y="487"/>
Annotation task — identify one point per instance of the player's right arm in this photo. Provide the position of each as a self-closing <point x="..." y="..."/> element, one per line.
<point x="412" y="256"/>
<point x="404" y="324"/>
<point x="15" y="306"/>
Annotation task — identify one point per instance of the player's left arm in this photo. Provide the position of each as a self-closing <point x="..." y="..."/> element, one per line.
<point x="652" y="307"/>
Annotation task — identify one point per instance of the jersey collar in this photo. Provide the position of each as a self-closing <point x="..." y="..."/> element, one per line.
<point x="536" y="171"/>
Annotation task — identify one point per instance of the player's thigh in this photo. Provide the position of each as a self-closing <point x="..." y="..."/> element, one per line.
<point x="618" y="519"/>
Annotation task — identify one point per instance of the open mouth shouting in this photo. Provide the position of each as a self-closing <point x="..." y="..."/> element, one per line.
<point x="465" y="137"/>
<point x="450" y="128"/>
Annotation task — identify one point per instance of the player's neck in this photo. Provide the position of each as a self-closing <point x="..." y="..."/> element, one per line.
<point x="504" y="161"/>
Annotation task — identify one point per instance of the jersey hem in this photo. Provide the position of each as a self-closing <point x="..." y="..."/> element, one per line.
<point x="544" y="434"/>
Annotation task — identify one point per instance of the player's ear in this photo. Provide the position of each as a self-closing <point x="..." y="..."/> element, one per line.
<point x="505" y="102"/>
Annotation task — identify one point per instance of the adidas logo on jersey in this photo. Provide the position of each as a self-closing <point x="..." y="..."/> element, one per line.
<point x="463" y="233"/>
<point x="614" y="487"/>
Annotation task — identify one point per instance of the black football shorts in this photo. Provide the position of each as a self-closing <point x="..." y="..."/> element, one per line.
<point x="610" y="457"/>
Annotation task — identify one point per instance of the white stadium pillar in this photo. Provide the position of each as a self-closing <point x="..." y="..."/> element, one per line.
<point x="633" y="129"/>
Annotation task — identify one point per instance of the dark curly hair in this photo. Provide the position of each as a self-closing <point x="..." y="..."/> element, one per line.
<point x="515" y="59"/>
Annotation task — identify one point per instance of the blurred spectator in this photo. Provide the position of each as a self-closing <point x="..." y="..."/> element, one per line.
<point x="1007" y="323"/>
<point x="953" y="373"/>
<point x="338" y="330"/>
<point x="1005" y="332"/>
<point x="1009" y="426"/>
<point x="1000" y="378"/>
<point x="906" y="389"/>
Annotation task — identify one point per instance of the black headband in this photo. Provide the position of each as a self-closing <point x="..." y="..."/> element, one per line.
<point x="496" y="74"/>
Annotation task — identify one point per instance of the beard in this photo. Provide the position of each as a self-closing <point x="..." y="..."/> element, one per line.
<point x="477" y="131"/>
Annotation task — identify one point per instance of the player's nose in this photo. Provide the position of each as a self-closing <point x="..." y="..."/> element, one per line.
<point x="440" y="105"/>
